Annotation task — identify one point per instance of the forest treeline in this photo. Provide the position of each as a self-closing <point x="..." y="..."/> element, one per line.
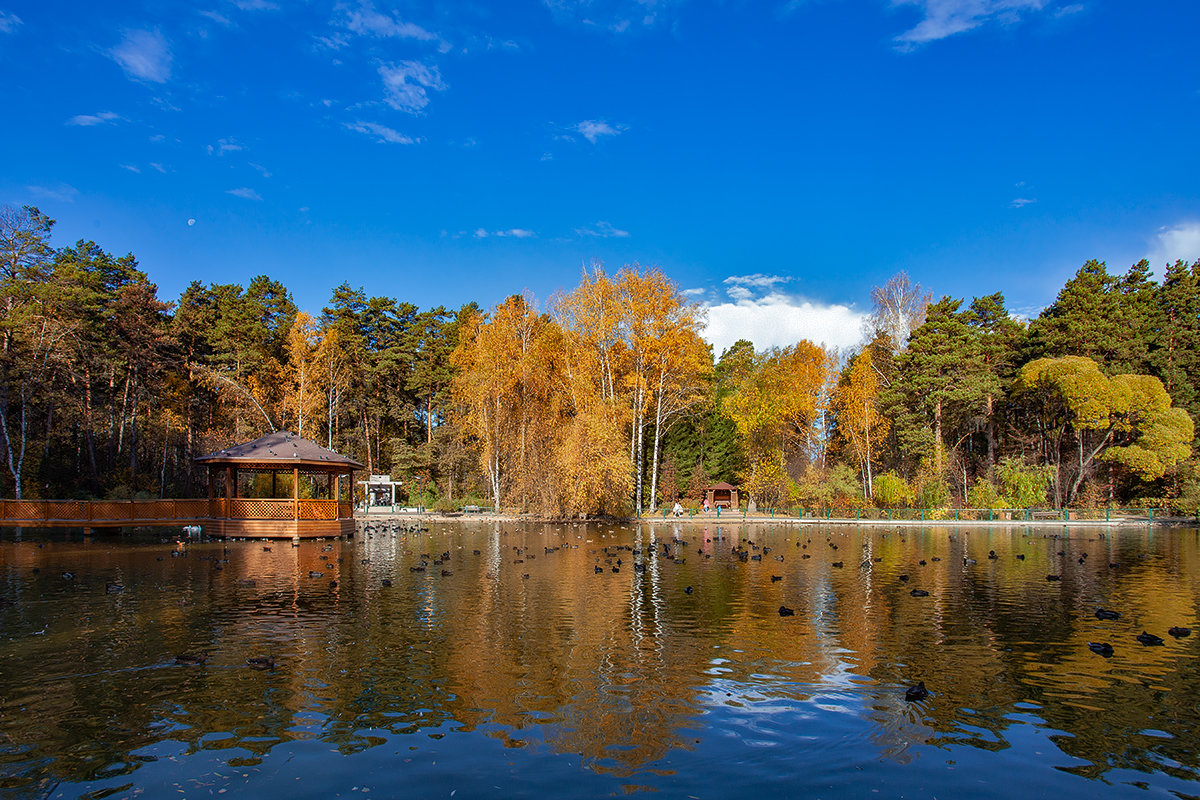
<point x="605" y="401"/>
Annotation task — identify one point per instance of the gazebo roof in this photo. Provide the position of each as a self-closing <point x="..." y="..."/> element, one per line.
<point x="722" y="485"/>
<point x="278" y="449"/>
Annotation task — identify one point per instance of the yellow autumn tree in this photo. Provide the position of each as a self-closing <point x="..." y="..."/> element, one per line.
<point x="335" y="370"/>
<point x="303" y="395"/>
<point x="859" y="420"/>
<point x="776" y="406"/>
<point x="506" y="386"/>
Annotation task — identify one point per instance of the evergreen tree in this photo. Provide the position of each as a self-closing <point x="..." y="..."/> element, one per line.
<point x="1175" y="352"/>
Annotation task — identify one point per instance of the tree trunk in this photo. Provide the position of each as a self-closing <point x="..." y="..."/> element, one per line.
<point x="641" y="460"/>
<point x="867" y="460"/>
<point x="367" y="439"/>
<point x="991" y="436"/>
<point x="937" y="437"/>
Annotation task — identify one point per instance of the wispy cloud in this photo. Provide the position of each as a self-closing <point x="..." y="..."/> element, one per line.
<point x="621" y="16"/>
<point x="593" y="130"/>
<point x="245" y="193"/>
<point x="779" y="320"/>
<point x="334" y="41"/>
<point x="405" y="85"/>
<point x="256" y="5"/>
<point x="217" y="17"/>
<point x="88" y="120"/>
<point x="159" y="167"/>
<point x="758" y="280"/>
<point x="8" y="22"/>
<point x="1021" y="202"/>
<point x="1175" y="243"/>
<point x="261" y="169"/>
<point x="602" y="230"/>
<point x="132" y="168"/>
<point x="367" y="21"/>
<point x="943" y="18"/>
<point x="382" y="133"/>
<point x="224" y="146"/>
<point x="145" y="55"/>
<point x="513" y="233"/>
<point x="62" y="193"/>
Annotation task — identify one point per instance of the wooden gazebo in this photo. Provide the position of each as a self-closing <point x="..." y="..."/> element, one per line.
<point x="280" y="486"/>
<point x="722" y="495"/>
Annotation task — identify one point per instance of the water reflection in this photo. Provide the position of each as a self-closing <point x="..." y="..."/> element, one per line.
<point x="598" y="657"/>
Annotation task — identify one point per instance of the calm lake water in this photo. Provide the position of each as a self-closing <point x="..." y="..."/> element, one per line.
<point x="516" y="669"/>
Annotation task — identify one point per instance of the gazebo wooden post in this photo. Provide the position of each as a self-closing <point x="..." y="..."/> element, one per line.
<point x="230" y="491"/>
<point x="295" y="493"/>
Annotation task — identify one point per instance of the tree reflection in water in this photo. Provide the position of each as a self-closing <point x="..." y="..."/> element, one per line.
<point x="600" y="679"/>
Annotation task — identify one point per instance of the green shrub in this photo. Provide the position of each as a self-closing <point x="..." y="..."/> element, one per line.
<point x="1023" y="486"/>
<point x="892" y="491"/>
<point x="984" y="495"/>
<point x="445" y="504"/>
<point x="932" y="492"/>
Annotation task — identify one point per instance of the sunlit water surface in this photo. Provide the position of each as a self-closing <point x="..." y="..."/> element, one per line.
<point x="525" y="665"/>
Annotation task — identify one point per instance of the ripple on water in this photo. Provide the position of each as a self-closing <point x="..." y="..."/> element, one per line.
<point x="568" y="682"/>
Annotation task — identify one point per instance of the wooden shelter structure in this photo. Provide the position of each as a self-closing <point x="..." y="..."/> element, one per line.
<point x="722" y="495"/>
<point x="280" y="486"/>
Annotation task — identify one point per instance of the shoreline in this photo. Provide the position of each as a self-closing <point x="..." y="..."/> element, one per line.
<point x="761" y="519"/>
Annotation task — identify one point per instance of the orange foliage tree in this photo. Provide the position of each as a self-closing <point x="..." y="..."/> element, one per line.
<point x="776" y="406"/>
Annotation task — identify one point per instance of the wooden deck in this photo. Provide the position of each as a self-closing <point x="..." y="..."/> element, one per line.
<point x="277" y="518"/>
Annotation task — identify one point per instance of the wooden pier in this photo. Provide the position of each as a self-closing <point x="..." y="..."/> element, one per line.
<point x="270" y="517"/>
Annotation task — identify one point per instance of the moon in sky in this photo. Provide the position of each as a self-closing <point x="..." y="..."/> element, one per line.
<point x="191" y="222"/>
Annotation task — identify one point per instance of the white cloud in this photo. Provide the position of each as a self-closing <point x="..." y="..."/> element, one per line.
<point x="62" y="193"/>
<point x="382" y="133"/>
<point x="8" y="22"/>
<point x="159" y="167"/>
<point x="334" y="41"/>
<point x="942" y="18"/>
<point x="592" y="129"/>
<point x="224" y="146"/>
<point x="366" y="21"/>
<point x="1178" y="243"/>
<point x="88" y="120"/>
<point x="144" y="55"/>
<point x="132" y="168"/>
<point x="261" y="169"/>
<point x="217" y="17"/>
<point x="245" y="193"/>
<point x="405" y="85"/>
<point x="694" y="292"/>
<point x="511" y="233"/>
<point x="256" y="5"/>
<point x="779" y="320"/>
<point x="617" y="16"/>
<point x="757" y="279"/>
<point x="603" y="230"/>
<point x="1019" y="202"/>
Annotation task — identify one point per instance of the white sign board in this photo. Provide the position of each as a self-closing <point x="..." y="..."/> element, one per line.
<point x="380" y="479"/>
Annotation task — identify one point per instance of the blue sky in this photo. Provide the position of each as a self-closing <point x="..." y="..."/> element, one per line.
<point x="777" y="159"/>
